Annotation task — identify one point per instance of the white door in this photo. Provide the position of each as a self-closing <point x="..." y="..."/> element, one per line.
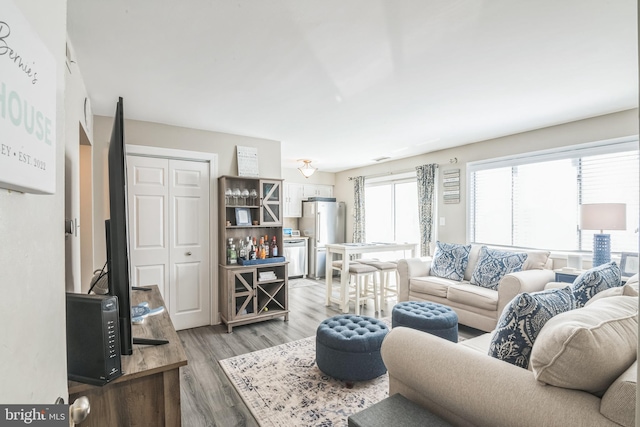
<point x="189" y="250"/>
<point x="169" y="234"/>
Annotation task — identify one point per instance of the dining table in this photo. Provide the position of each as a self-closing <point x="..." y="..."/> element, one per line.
<point x="347" y="251"/>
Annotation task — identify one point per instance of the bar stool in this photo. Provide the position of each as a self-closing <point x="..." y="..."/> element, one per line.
<point x="385" y="269"/>
<point x="360" y="276"/>
<point x="344" y="304"/>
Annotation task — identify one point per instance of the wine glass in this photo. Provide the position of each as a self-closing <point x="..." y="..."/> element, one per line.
<point x="236" y="194"/>
<point x="253" y="195"/>
<point x="228" y="193"/>
<point x="244" y="194"/>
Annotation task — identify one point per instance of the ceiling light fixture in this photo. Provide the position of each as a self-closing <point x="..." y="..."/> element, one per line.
<point x="307" y="170"/>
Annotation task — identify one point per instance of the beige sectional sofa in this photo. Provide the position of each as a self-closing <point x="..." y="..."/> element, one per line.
<point x="592" y="348"/>
<point x="476" y="306"/>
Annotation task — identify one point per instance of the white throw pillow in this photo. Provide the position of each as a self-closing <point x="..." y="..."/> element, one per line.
<point x="588" y="348"/>
<point x="536" y="260"/>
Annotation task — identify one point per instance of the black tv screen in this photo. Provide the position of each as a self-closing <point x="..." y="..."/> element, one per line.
<point x="116" y="229"/>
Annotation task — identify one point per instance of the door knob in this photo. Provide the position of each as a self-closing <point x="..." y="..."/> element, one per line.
<point x="79" y="410"/>
<point x="188" y="253"/>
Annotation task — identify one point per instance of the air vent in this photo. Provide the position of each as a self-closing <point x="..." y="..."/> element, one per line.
<point x="381" y="159"/>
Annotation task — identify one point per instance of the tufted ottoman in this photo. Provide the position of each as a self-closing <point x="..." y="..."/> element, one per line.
<point x="348" y="347"/>
<point x="436" y="319"/>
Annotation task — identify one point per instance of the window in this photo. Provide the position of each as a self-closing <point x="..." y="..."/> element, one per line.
<point x="391" y="210"/>
<point x="533" y="201"/>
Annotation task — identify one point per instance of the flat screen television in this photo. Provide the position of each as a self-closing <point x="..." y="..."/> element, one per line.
<point x="117" y="236"/>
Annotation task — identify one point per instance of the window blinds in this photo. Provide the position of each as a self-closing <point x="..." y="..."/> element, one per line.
<point x="533" y="200"/>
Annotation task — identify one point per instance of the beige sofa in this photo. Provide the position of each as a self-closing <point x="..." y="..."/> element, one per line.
<point x="476" y="306"/>
<point x="465" y="386"/>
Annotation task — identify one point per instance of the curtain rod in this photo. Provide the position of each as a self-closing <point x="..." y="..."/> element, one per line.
<point x="378" y="175"/>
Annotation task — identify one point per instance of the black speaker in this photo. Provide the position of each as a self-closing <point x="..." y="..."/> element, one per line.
<point x="93" y="338"/>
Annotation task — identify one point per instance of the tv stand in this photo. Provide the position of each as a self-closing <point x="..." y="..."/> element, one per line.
<point x="146" y="341"/>
<point x="148" y="393"/>
<point x="149" y="341"/>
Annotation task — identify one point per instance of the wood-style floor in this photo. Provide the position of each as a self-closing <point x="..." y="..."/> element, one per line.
<point x="208" y="398"/>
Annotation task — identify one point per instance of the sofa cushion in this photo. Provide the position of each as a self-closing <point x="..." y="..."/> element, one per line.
<point x="494" y="264"/>
<point x="473" y="296"/>
<point x="611" y="292"/>
<point x="480" y="343"/>
<point x="628" y="289"/>
<point x="431" y="285"/>
<point x="450" y="260"/>
<point x="597" y="279"/>
<point x="521" y="322"/>
<point x="619" y="401"/>
<point x="588" y="348"/>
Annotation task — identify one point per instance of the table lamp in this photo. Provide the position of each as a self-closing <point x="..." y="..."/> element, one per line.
<point x="603" y="216"/>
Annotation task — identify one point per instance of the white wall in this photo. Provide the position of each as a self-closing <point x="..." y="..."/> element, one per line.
<point x="76" y="131"/>
<point x="318" y="178"/>
<point x="32" y="255"/>
<point x="174" y="137"/>
<point x="615" y="125"/>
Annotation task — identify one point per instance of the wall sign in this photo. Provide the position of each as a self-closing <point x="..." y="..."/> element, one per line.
<point x="247" y="161"/>
<point x="27" y="106"/>
<point x="451" y="186"/>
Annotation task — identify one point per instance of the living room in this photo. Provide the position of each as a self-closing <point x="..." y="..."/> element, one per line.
<point x="38" y="259"/>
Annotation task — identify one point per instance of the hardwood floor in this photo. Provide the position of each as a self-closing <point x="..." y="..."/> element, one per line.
<point x="208" y="398"/>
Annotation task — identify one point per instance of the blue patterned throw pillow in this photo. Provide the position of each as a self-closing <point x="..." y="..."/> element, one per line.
<point x="450" y="260"/>
<point x="494" y="264"/>
<point x="522" y="320"/>
<point x="597" y="279"/>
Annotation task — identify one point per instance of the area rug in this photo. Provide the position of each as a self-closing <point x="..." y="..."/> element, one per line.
<point x="282" y="386"/>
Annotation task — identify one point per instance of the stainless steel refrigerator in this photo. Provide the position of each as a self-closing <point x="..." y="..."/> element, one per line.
<point x="323" y="222"/>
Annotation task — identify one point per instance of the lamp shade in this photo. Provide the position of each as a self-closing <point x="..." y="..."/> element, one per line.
<point x="307" y="170"/>
<point x="603" y="216"/>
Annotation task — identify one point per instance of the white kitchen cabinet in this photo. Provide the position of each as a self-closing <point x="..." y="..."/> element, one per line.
<point x="317" y="190"/>
<point x="292" y="200"/>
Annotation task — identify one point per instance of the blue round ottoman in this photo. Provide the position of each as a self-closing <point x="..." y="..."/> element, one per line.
<point x="348" y="347"/>
<point x="436" y="319"/>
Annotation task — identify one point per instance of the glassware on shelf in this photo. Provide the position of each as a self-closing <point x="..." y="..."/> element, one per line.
<point x="228" y="194"/>
<point x="236" y="195"/>
<point x="253" y="195"/>
<point x="245" y="195"/>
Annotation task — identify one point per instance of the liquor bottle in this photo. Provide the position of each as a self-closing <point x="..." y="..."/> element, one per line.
<point x="242" y="250"/>
<point x="273" y="249"/>
<point x="247" y="245"/>
<point x="230" y="241"/>
<point x="266" y="246"/>
<point x="233" y="255"/>
<point x="253" y="254"/>
<point x="261" y="253"/>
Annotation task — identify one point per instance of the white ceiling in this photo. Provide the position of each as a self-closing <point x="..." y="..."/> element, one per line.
<point x="343" y="82"/>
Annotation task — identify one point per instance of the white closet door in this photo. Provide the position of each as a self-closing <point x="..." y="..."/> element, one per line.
<point x="189" y="243"/>
<point x="148" y="205"/>
<point x="169" y="234"/>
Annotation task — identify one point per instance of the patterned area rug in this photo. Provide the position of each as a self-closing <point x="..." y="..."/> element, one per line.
<point x="282" y="386"/>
